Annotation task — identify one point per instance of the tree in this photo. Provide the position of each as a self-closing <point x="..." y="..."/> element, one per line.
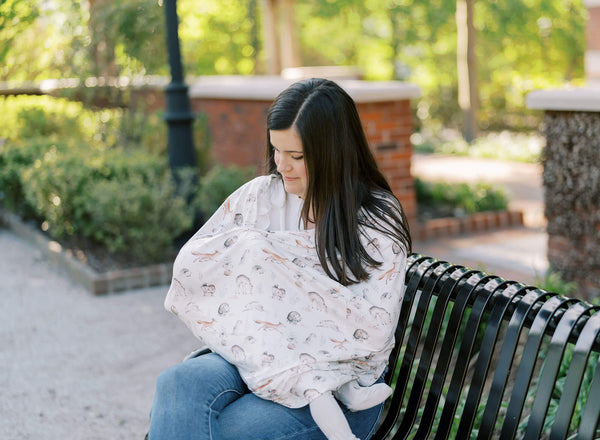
<point x="220" y="36"/>
<point x="468" y="89"/>
<point x="126" y="37"/>
<point x="15" y="17"/>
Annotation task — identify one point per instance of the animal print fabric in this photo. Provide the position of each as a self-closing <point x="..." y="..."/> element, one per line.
<point x="260" y="299"/>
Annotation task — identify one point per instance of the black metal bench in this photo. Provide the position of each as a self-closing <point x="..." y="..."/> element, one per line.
<point x="480" y="357"/>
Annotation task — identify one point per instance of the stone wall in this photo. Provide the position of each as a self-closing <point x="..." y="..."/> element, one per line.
<point x="572" y="196"/>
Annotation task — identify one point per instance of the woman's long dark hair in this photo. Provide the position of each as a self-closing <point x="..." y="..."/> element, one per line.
<point x="345" y="188"/>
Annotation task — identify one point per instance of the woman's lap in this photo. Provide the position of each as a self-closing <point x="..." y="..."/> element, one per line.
<point x="251" y="417"/>
<point x="238" y="413"/>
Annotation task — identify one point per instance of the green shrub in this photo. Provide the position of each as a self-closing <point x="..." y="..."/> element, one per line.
<point x="553" y="282"/>
<point x="137" y="215"/>
<point x="123" y="201"/>
<point x="468" y="198"/>
<point x="218" y="184"/>
<point x="14" y="160"/>
<point x="26" y="117"/>
<point x="99" y="177"/>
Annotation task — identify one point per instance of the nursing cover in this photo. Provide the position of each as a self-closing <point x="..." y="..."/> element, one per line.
<point x="262" y="301"/>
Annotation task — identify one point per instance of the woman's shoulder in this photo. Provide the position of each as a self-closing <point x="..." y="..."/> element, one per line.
<point x="257" y="186"/>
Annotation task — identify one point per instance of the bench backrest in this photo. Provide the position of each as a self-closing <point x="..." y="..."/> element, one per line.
<point x="480" y="357"/>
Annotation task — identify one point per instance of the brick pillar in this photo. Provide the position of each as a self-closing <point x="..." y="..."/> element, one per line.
<point x="238" y="137"/>
<point x="237" y="130"/>
<point x="388" y="126"/>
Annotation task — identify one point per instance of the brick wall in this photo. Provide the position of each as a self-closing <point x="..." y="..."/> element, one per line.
<point x="388" y="126"/>
<point x="238" y="135"/>
<point x="237" y="130"/>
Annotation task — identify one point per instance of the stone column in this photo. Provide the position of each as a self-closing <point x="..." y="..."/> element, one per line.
<point x="571" y="179"/>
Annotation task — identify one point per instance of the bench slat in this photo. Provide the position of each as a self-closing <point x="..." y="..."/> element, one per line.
<point x="591" y="412"/>
<point x="550" y="370"/>
<point x="530" y="356"/>
<point x="575" y="377"/>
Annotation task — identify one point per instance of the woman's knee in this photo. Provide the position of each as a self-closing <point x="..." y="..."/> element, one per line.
<point x="197" y="375"/>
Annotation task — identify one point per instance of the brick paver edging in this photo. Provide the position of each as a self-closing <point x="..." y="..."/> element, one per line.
<point x="469" y="224"/>
<point x="97" y="283"/>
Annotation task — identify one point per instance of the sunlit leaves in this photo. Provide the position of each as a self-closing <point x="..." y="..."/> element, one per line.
<point x="15" y="15"/>
<point x="219" y="36"/>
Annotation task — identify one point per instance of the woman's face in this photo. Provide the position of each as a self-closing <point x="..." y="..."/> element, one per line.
<point x="289" y="158"/>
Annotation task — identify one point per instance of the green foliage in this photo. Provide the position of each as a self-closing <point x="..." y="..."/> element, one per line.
<point x="139" y="215"/>
<point x="227" y="33"/>
<point x="122" y="200"/>
<point x="43" y="40"/>
<point x="553" y="282"/>
<point x="42" y="116"/>
<point x="521" y="46"/>
<point x="30" y="117"/>
<point x="130" y="34"/>
<point x="101" y="176"/>
<point x="466" y="198"/>
<point x="14" y="160"/>
<point x="15" y="16"/>
<point x="559" y="388"/>
<point x="219" y="183"/>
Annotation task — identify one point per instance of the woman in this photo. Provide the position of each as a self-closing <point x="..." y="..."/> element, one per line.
<point x="295" y="283"/>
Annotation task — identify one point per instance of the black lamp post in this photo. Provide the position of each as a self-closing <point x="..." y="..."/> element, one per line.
<point x="178" y="116"/>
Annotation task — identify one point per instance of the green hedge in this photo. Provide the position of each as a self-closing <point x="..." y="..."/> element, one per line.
<point x="468" y="198"/>
<point x="25" y="117"/>
<point x="101" y="177"/>
<point x="122" y="200"/>
<point x="218" y="183"/>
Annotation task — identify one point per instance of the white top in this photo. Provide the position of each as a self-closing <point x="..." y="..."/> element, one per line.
<point x="249" y="285"/>
<point x="584" y="99"/>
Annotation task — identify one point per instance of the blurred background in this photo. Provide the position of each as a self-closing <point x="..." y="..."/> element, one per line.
<point x="86" y="155"/>
<point x="81" y="88"/>
<point x="513" y="47"/>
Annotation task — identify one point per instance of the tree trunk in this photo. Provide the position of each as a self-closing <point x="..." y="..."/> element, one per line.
<point x="468" y="98"/>
<point x="102" y="47"/>
<point x="254" y="11"/>
<point x="272" y="59"/>
<point x="290" y="50"/>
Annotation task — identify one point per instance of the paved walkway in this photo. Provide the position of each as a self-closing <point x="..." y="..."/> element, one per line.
<point x="78" y="367"/>
<point x="74" y="366"/>
<point x="517" y="253"/>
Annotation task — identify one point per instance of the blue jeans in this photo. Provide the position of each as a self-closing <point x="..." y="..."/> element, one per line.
<point x="205" y="398"/>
